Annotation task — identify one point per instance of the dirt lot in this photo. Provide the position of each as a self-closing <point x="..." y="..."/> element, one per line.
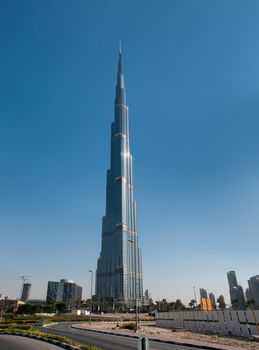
<point x="150" y="329"/>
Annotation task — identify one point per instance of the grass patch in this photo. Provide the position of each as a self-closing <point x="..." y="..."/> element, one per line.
<point x="89" y="347"/>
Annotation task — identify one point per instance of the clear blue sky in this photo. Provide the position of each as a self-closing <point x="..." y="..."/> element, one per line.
<point x="192" y="79"/>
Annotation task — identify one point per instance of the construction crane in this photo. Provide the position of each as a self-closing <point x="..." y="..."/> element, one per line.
<point x="24" y="278"/>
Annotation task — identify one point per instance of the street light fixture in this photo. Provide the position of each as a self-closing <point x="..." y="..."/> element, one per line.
<point x="136" y="290"/>
<point x="91" y="303"/>
<point x="2" y="299"/>
<point x="134" y="247"/>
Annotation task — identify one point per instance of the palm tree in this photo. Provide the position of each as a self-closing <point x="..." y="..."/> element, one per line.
<point x="179" y="305"/>
<point x="171" y="305"/>
<point x="252" y="304"/>
<point x="192" y="303"/>
<point x="222" y="304"/>
<point x="234" y="303"/>
<point x="165" y="304"/>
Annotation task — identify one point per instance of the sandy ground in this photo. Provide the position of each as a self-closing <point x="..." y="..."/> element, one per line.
<point x="152" y="331"/>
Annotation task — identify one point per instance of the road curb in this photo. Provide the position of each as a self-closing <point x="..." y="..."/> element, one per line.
<point x="207" y="347"/>
<point x="46" y="340"/>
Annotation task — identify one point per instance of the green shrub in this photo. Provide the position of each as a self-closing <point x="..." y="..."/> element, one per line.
<point x="20" y="321"/>
<point x="24" y="324"/>
<point x="131" y="326"/>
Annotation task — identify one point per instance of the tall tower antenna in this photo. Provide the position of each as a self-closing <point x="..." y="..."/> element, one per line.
<point x="119" y="46"/>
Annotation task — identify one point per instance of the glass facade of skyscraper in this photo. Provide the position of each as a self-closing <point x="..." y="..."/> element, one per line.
<point x="119" y="267"/>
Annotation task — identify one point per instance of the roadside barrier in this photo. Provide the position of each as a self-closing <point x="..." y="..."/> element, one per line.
<point x="242" y="323"/>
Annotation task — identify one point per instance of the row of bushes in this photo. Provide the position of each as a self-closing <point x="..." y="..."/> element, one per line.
<point x="19" y="323"/>
<point x="31" y="321"/>
<point x="130" y="326"/>
<point x="14" y="325"/>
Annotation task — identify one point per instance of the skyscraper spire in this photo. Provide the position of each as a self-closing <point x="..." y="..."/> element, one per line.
<point x="119" y="267"/>
<point x="120" y="82"/>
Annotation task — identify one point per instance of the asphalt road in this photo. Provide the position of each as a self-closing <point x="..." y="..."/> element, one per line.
<point x="107" y="341"/>
<point x="13" y="342"/>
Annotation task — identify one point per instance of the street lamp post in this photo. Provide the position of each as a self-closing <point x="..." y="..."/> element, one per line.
<point x="113" y="293"/>
<point x="91" y="303"/>
<point x="136" y="291"/>
<point x="2" y="306"/>
<point x="136" y="315"/>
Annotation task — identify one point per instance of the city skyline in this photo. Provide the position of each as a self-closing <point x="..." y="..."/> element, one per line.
<point x="193" y="85"/>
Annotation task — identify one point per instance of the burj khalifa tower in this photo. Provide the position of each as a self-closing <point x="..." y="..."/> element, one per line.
<point x="119" y="276"/>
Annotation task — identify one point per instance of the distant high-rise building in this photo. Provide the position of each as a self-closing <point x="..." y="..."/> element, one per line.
<point x="237" y="298"/>
<point x="147" y="297"/>
<point x="26" y="290"/>
<point x="205" y="302"/>
<point x="203" y="293"/>
<point x="65" y="290"/>
<point x="253" y="284"/>
<point x="248" y="295"/>
<point x="52" y="292"/>
<point x="236" y="292"/>
<point x="69" y="292"/>
<point x="232" y="279"/>
<point x="119" y="267"/>
<point x="212" y="300"/>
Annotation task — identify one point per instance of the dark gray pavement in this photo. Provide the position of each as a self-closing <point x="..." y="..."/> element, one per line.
<point x="13" y="342"/>
<point x="107" y="341"/>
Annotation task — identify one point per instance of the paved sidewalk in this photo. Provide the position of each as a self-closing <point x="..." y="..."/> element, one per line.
<point x="157" y="337"/>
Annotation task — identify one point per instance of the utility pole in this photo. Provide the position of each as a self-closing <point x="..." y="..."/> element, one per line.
<point x="91" y="303"/>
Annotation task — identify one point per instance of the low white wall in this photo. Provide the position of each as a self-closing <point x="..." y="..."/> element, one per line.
<point x="236" y="322"/>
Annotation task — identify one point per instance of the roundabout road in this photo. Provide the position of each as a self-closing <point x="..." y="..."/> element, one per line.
<point x="108" y="341"/>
